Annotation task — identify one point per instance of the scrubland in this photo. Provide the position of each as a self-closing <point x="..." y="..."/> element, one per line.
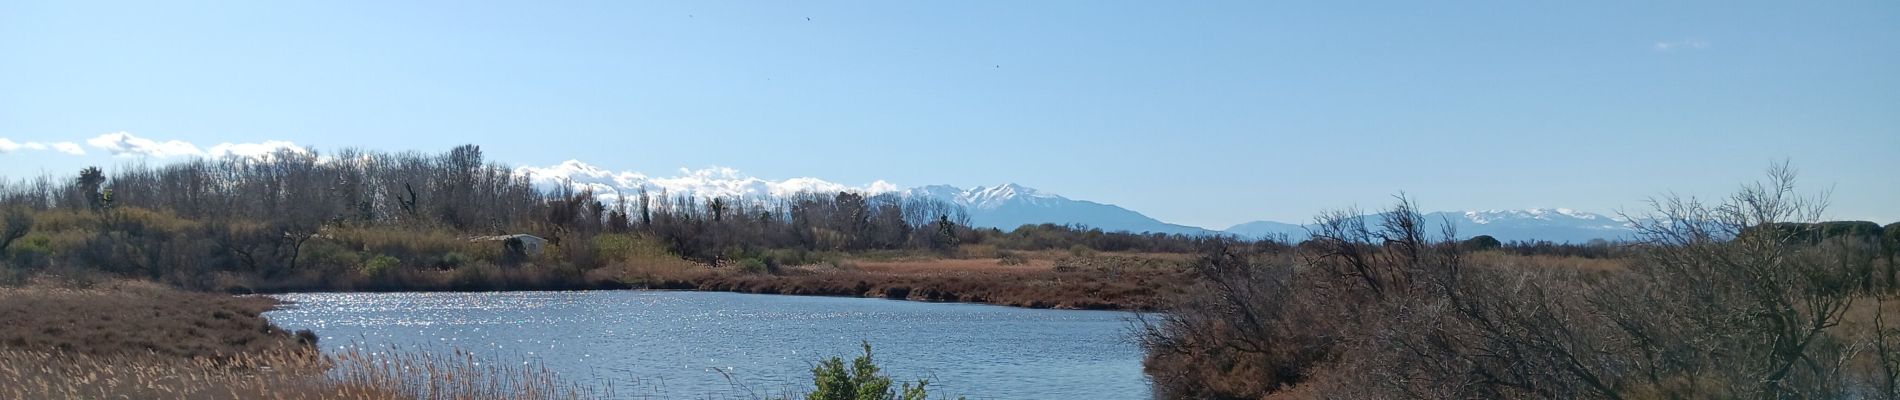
<point x="1741" y="298"/>
<point x="1750" y="296"/>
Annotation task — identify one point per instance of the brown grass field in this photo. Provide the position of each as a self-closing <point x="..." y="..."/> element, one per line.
<point x="133" y="317"/>
<point x="1106" y="281"/>
<point x="137" y="340"/>
<point x="1044" y="279"/>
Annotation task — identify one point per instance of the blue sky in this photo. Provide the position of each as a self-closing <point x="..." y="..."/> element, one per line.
<point x="1208" y="113"/>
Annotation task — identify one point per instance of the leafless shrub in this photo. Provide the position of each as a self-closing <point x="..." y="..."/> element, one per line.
<point x="1716" y="304"/>
<point x="17" y="223"/>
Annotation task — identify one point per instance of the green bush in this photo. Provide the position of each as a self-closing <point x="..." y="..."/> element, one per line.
<point x="323" y="253"/>
<point x="453" y="260"/>
<point x="862" y="381"/>
<point x="35" y="251"/>
<point x="18" y="223"/>
<point x="380" y="264"/>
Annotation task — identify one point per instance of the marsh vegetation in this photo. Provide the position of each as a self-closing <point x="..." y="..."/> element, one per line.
<point x="1739" y="298"/>
<point x="367" y="221"/>
<point x="1750" y="296"/>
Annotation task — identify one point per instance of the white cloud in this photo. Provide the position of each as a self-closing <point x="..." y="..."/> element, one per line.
<point x="1685" y="44"/>
<point x="69" y="148"/>
<point x="9" y="146"/>
<point x="126" y="144"/>
<point x="129" y="145"/>
<point x="253" y="150"/>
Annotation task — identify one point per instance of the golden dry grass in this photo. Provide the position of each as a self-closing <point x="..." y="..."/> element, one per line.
<point x="138" y="340"/>
<point x="28" y="374"/>
<point x="1043" y="280"/>
<point x="1040" y="279"/>
<point x="1507" y="260"/>
<point x="35" y="374"/>
<point x="133" y="317"/>
<point x="947" y="266"/>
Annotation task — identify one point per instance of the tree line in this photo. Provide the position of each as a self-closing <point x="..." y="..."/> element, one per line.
<point x="298" y="212"/>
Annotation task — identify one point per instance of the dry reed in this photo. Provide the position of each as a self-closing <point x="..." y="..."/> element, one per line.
<point x="353" y="374"/>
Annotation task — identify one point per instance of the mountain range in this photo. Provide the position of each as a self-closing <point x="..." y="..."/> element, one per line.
<point x="1549" y="224"/>
<point x="1008" y="206"/>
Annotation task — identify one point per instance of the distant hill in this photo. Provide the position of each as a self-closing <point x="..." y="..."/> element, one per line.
<point x="1008" y="206"/>
<point x="1267" y="229"/>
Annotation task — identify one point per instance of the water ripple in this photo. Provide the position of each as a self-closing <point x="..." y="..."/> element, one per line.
<point x="687" y="344"/>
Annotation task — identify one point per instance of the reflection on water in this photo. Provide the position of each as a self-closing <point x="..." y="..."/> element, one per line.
<point x="704" y="344"/>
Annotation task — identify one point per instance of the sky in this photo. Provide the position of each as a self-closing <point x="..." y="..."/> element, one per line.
<point x="1199" y="113"/>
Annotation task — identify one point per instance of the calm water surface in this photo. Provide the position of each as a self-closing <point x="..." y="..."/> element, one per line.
<point x="686" y="344"/>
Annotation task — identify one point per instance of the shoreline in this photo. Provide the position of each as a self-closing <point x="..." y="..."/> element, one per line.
<point x="1129" y="282"/>
<point x="1148" y="305"/>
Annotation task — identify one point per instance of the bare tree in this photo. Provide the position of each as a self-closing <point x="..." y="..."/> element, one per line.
<point x="18" y="222"/>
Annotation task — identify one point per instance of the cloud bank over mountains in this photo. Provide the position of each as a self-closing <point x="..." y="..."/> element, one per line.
<point x="708" y="182"/>
<point x="9" y="146"/>
<point x="125" y="144"/>
<point x="1010" y="205"/>
<point x="1004" y="206"/>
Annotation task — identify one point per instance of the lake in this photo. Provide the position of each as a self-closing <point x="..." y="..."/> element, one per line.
<point x="667" y="344"/>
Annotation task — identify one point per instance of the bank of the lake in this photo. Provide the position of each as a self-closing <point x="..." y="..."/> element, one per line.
<point x="681" y="344"/>
<point x="1046" y="280"/>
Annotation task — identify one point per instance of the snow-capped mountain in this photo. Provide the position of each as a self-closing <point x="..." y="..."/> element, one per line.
<point x="1008" y="206"/>
<point x="1005" y="206"/>
<point x="709" y="182"/>
<point x="1552" y="224"/>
